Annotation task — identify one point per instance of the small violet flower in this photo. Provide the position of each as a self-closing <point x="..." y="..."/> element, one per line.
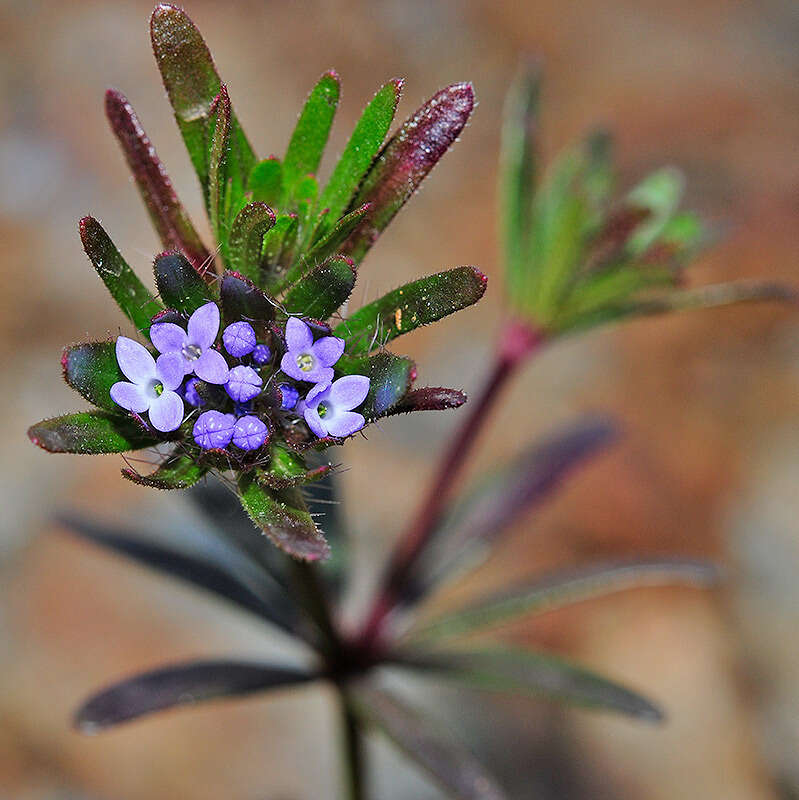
<point x="194" y="347"/>
<point x="213" y="430"/>
<point x="190" y="393"/>
<point x="152" y="384"/>
<point x="289" y="396"/>
<point x="243" y="384"/>
<point x="261" y="354"/>
<point x="306" y="360"/>
<point x="328" y="407"/>
<point x="249" y="433"/>
<point x="239" y="339"/>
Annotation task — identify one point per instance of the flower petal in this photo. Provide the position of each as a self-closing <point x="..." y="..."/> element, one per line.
<point x="319" y="374"/>
<point x="328" y="350"/>
<point x="134" y="360"/>
<point x="349" y="392"/>
<point x="288" y="364"/>
<point x="204" y="325"/>
<point x="130" y="396"/>
<point x="317" y="394"/>
<point x="345" y="423"/>
<point x="211" y="367"/>
<point x="167" y="337"/>
<point x="166" y="412"/>
<point x="298" y="335"/>
<point x="170" y="368"/>
<point x="314" y="422"/>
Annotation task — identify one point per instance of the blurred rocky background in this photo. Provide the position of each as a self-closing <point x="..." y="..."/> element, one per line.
<point x="709" y="403"/>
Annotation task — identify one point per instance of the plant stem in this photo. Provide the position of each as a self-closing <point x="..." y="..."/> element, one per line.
<point x="518" y="341"/>
<point x="313" y="598"/>
<point x="353" y="755"/>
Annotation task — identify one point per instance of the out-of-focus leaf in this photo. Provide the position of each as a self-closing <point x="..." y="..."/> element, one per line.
<point x="323" y="290"/>
<point x="283" y="517"/>
<point x="429" y="398"/>
<point x="515" y="670"/>
<point x="310" y="134"/>
<point x="405" y="161"/>
<point x="361" y="149"/>
<point x="179" y="685"/>
<point x="179" y="471"/>
<point x="136" y="302"/>
<point x="242" y="299"/>
<point x="192" y="83"/>
<point x="411" y="306"/>
<point x="179" y="284"/>
<point x="390" y="376"/>
<point x="266" y="181"/>
<point x="548" y="593"/>
<point x="91" y="433"/>
<point x="246" y="240"/>
<point x="91" y="369"/>
<point x="660" y="194"/>
<point x="166" y="212"/>
<point x="447" y="761"/>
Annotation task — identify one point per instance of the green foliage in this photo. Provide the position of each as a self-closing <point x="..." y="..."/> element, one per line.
<point x="179" y="284"/>
<point x="179" y="471"/>
<point x="323" y="290"/>
<point x="91" y="369"/>
<point x="390" y="376"/>
<point x="91" y="433"/>
<point x="246" y="241"/>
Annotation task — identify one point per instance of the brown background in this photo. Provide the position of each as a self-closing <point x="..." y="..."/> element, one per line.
<point x="709" y="402"/>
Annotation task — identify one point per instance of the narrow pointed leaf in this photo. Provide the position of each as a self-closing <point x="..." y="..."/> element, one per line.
<point x="660" y="194"/>
<point x="548" y="593"/>
<point x="266" y="181"/>
<point x="246" y="241"/>
<point x="283" y="517"/>
<point x="447" y="761"/>
<point x="361" y="150"/>
<point x="135" y="300"/>
<point x="180" y="685"/>
<point x="411" y="306"/>
<point x="192" y="83"/>
<point x="390" y="376"/>
<point x="514" y="670"/>
<point x="287" y="468"/>
<point x="166" y="212"/>
<point x="278" y="244"/>
<point x="323" y="290"/>
<point x="405" y="161"/>
<point x="242" y="299"/>
<point x="91" y="433"/>
<point x="218" y="172"/>
<point x="329" y="243"/>
<point x="429" y="398"/>
<point x="310" y="135"/>
<point x="179" y="471"/>
<point x="179" y="284"/>
<point x="91" y="369"/>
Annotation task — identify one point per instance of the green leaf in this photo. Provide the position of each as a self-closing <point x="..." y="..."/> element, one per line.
<point x="659" y="193"/>
<point x="91" y="369"/>
<point x="310" y="134"/>
<point x="328" y="243"/>
<point x="287" y="468"/>
<point x="283" y="517"/>
<point x="90" y="432"/>
<point x="192" y="83"/>
<point x="323" y="290"/>
<point x="546" y="594"/>
<point x="218" y="172"/>
<point x="179" y="471"/>
<point x="360" y="151"/>
<point x="453" y="767"/>
<point x="390" y="377"/>
<point x="246" y="241"/>
<point x="405" y="161"/>
<point x="266" y="181"/>
<point x="411" y="306"/>
<point x="278" y="247"/>
<point x="242" y="299"/>
<point x="514" y="670"/>
<point x="179" y="284"/>
<point x="166" y="212"/>
<point x="136" y="302"/>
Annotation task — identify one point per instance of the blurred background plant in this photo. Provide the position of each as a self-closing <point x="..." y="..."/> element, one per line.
<point x="542" y="319"/>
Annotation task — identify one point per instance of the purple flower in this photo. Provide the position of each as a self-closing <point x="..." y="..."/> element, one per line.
<point x="152" y="385"/>
<point x="190" y="393"/>
<point x="328" y="407"/>
<point x="261" y="354"/>
<point x="307" y="360"/>
<point x="239" y="339"/>
<point x="243" y="384"/>
<point x="249" y="433"/>
<point x="194" y="347"/>
<point x="289" y="396"/>
<point x="213" y="429"/>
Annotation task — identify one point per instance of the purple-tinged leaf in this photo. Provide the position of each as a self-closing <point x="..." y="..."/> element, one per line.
<point x="447" y="761"/>
<point x="242" y="299"/>
<point x="179" y="284"/>
<point x="411" y="306"/>
<point x="91" y="433"/>
<point x="390" y="379"/>
<point x="405" y="161"/>
<point x="136" y="302"/>
<point x="283" y="517"/>
<point x="246" y="240"/>
<point x="544" y="594"/>
<point x="91" y="369"/>
<point x="219" y="181"/>
<point x="518" y="671"/>
<point x="179" y="471"/>
<point x="323" y="290"/>
<point x="429" y="398"/>
<point x="180" y="685"/>
<point x="166" y="212"/>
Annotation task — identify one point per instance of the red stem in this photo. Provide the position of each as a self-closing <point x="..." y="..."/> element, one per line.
<point x="518" y="341"/>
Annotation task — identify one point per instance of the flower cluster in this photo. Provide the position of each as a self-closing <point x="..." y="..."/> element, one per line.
<point x="189" y="364"/>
